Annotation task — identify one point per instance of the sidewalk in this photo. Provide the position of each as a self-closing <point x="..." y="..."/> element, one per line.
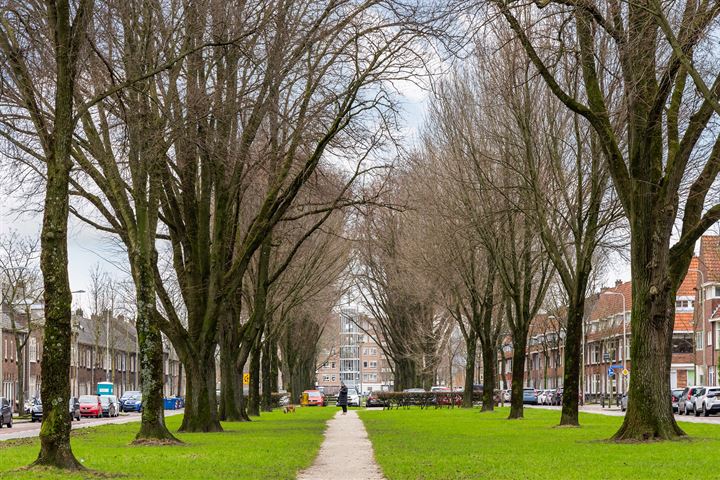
<point x="616" y="412"/>
<point x="345" y="453"/>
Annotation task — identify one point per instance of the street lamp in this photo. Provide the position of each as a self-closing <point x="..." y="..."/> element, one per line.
<point x="702" y="313"/>
<point x="624" y="346"/>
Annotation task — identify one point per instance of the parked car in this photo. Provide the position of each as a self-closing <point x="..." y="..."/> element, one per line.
<point x="90" y="406"/>
<point x="36" y="410"/>
<point x="557" y="397"/>
<point x="5" y="412"/>
<point x="545" y="396"/>
<point x="675" y="398"/>
<point x="506" y="395"/>
<point x="109" y="405"/>
<point x="313" y="397"/>
<point x="530" y="396"/>
<point x="131" y="402"/>
<point x="686" y="404"/>
<point x="707" y="401"/>
<point x="373" y="400"/>
<point x="353" y="398"/>
<point x="74" y="409"/>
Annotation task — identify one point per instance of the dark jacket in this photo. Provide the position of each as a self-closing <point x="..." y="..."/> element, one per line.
<point x="342" y="396"/>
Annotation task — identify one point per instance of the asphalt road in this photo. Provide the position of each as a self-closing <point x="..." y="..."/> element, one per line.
<point x="27" y="429"/>
<point x="616" y="412"/>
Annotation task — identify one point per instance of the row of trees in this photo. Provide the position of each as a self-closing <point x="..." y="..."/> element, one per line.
<point x="569" y="130"/>
<point x="221" y="143"/>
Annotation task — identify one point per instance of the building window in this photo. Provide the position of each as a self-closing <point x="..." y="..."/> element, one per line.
<point x="332" y="378"/>
<point x="682" y="343"/>
<point x="684" y="305"/>
<point x="326" y="378"/>
<point x="332" y="365"/>
<point x="33" y="349"/>
<point x="373" y="364"/>
<point x="717" y="291"/>
<point x="699" y="341"/>
<point x="717" y="335"/>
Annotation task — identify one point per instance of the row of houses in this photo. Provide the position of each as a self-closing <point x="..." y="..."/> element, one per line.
<point x="104" y="349"/>
<point x="607" y="333"/>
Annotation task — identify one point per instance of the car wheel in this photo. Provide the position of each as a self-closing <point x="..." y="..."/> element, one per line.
<point x="704" y="411"/>
<point x="696" y="412"/>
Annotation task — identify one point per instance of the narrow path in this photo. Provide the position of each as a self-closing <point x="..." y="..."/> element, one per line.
<point x="346" y="452"/>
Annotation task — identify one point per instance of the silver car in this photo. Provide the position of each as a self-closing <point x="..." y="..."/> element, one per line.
<point x="353" y="398"/>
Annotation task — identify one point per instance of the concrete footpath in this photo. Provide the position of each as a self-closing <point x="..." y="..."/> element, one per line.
<point x="346" y="452"/>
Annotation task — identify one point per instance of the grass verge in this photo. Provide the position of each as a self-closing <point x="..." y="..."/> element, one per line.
<point x="275" y="446"/>
<point x="467" y="444"/>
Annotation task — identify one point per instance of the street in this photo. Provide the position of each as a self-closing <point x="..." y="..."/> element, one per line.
<point x="616" y="412"/>
<point x="28" y="429"/>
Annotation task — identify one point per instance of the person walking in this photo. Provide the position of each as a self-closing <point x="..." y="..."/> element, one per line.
<point x="342" y="400"/>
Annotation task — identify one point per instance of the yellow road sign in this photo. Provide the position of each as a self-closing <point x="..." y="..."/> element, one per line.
<point x="625" y="371"/>
<point x="246" y="379"/>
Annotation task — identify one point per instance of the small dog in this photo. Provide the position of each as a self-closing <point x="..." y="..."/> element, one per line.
<point x="289" y="409"/>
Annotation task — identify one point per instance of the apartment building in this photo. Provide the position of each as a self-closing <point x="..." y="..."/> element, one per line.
<point x="356" y="359"/>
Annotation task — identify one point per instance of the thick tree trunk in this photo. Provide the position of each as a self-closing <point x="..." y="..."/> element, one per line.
<point x="405" y="374"/>
<point x="200" y="405"/>
<point x="55" y="448"/>
<point x="253" y="407"/>
<point x="266" y="374"/>
<point x="489" y="380"/>
<point x="518" y="374"/>
<point x="152" y="426"/>
<point x="231" y="392"/>
<point x="649" y="414"/>
<point x="19" y="350"/>
<point x="471" y="348"/>
<point x="573" y="359"/>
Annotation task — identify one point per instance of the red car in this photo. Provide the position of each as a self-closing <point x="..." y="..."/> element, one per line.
<point x="90" y="406"/>
<point x="313" y="397"/>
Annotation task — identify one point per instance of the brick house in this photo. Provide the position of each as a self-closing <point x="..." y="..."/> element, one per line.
<point x="104" y="348"/>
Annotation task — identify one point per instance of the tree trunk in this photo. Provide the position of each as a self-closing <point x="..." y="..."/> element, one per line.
<point x="266" y="373"/>
<point x="152" y="427"/>
<point x="19" y="349"/>
<point x="471" y="347"/>
<point x="518" y="374"/>
<point x="649" y="413"/>
<point x="55" y="450"/>
<point x="200" y="405"/>
<point x="405" y="374"/>
<point x="253" y="407"/>
<point x="489" y="359"/>
<point x="231" y="391"/>
<point x="573" y="359"/>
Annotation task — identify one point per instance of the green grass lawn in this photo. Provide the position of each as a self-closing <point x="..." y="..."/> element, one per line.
<point x="467" y="444"/>
<point x="275" y="446"/>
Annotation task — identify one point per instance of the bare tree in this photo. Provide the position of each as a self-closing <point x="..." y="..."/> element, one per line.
<point x="25" y="32"/>
<point x="22" y="288"/>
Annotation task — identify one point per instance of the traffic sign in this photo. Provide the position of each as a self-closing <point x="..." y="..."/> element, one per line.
<point x="625" y="372"/>
<point x="246" y="379"/>
<point x="611" y="372"/>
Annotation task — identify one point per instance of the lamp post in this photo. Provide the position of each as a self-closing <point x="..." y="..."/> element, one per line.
<point x="624" y="346"/>
<point x="704" y="334"/>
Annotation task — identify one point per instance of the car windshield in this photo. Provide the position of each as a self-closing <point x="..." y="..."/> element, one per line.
<point x="313" y="394"/>
<point x="352" y="391"/>
<point x="88" y="399"/>
<point x="105" y="400"/>
<point x="128" y="395"/>
<point x="714" y="391"/>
